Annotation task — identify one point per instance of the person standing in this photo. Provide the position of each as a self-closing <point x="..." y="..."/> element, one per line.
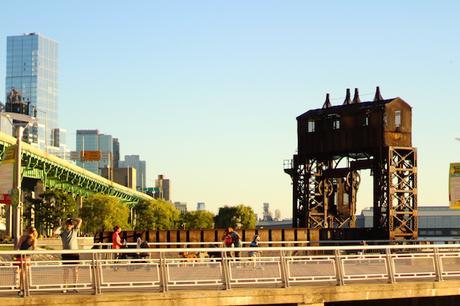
<point x="69" y="233"/>
<point x="236" y="238"/>
<point x="28" y="241"/>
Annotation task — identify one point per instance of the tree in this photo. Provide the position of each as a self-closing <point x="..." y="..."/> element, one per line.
<point x="49" y="210"/>
<point x="103" y="212"/>
<point x="156" y="214"/>
<point x="200" y="219"/>
<point x="235" y="216"/>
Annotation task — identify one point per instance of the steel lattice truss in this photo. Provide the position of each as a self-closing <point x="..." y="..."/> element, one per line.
<point x="402" y="193"/>
<point x="325" y="195"/>
<point x="60" y="174"/>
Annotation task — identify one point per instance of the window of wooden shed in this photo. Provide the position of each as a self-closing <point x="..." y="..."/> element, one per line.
<point x="398" y="118"/>
<point x="366" y="120"/>
<point x="336" y="124"/>
<point x="311" y="126"/>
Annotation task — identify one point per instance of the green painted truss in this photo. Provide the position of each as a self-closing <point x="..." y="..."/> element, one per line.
<point x="57" y="173"/>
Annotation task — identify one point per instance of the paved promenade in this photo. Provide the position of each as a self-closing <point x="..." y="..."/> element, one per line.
<point x="304" y="295"/>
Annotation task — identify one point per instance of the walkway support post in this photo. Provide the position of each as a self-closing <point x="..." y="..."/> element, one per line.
<point x="284" y="269"/>
<point x="163" y="274"/>
<point x="390" y="266"/>
<point x="437" y="265"/>
<point x="339" y="268"/>
<point x="226" y="270"/>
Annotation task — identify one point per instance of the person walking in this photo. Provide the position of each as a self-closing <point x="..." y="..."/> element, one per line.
<point x="228" y="240"/>
<point x="254" y="254"/>
<point x="116" y="240"/>
<point x="69" y="233"/>
<point x="232" y="239"/>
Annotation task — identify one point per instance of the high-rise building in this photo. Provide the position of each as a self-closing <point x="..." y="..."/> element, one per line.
<point x="134" y="161"/>
<point x="181" y="206"/>
<point x="200" y="206"/>
<point x="58" y="144"/>
<point x="94" y="150"/>
<point x="5" y="125"/>
<point x="106" y="149"/>
<point x="267" y="216"/>
<point x="277" y="215"/>
<point x="162" y="188"/>
<point x="116" y="153"/>
<point x="122" y="176"/>
<point x="32" y="69"/>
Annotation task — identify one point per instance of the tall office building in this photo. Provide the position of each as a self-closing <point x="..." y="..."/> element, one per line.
<point x="116" y="153"/>
<point x="95" y="151"/>
<point x="162" y="188"/>
<point x="181" y="206"/>
<point x="134" y="161"/>
<point x="32" y="69"/>
<point x="106" y="149"/>
<point x="200" y="206"/>
<point x="267" y="216"/>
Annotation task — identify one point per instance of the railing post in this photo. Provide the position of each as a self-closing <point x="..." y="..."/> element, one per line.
<point x="284" y="271"/>
<point x="437" y="265"/>
<point x="390" y="266"/>
<point x="163" y="273"/>
<point x="25" y="275"/>
<point x="339" y="268"/>
<point x="96" y="273"/>
<point x="226" y="270"/>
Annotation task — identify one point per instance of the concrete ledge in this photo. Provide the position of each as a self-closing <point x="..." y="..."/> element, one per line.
<point x="302" y="295"/>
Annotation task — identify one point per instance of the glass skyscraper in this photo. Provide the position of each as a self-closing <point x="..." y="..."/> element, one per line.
<point x="32" y="69"/>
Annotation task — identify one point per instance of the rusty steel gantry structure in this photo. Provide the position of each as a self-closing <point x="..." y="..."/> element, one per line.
<point x="334" y="144"/>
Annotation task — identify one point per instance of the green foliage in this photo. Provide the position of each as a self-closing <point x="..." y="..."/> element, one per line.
<point x="156" y="214"/>
<point x="103" y="212"/>
<point x="50" y="210"/>
<point x="240" y="216"/>
<point x="200" y="219"/>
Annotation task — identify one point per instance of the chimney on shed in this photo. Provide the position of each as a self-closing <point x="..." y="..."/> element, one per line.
<point x="378" y="96"/>
<point x="356" y="97"/>
<point x="347" y="98"/>
<point x="327" y="103"/>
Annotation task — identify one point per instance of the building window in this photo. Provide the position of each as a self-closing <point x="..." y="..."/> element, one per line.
<point x="336" y="124"/>
<point x="398" y="118"/>
<point x="311" y="126"/>
<point x="366" y="120"/>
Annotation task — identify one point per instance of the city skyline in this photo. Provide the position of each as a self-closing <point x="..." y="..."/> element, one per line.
<point x="213" y="89"/>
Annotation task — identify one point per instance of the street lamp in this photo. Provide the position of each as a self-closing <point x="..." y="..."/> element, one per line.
<point x="20" y="121"/>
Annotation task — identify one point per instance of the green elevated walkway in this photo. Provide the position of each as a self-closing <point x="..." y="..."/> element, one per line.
<point x="58" y="173"/>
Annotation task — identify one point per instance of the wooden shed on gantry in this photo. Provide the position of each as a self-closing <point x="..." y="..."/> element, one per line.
<point x="334" y="144"/>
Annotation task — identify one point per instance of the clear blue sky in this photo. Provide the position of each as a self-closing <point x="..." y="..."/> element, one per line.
<point x="207" y="91"/>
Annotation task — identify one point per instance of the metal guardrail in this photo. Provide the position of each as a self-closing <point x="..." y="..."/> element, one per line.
<point x="164" y="269"/>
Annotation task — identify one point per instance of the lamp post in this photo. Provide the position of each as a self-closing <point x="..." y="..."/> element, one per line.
<point x="21" y="121"/>
<point x="17" y="192"/>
